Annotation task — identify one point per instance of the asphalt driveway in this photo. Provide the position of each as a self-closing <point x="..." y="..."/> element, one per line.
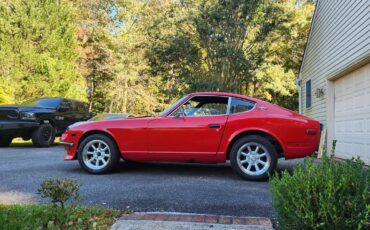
<point x="190" y="188"/>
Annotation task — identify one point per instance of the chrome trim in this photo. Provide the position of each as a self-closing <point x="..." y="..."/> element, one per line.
<point x="228" y="106"/>
<point x="170" y="115"/>
<point x="70" y="144"/>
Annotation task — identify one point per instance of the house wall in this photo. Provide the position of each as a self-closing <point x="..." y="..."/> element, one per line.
<point x="339" y="42"/>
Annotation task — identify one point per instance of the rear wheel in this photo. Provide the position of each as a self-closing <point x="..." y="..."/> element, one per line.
<point x="43" y="136"/>
<point x="5" y="141"/>
<point x="98" y="154"/>
<point x="253" y="157"/>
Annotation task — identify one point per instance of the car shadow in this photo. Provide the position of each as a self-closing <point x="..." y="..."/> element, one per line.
<point x="27" y="145"/>
<point x="189" y="169"/>
<point x="192" y="169"/>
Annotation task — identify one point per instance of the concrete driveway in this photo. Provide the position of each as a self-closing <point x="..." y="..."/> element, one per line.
<point x="189" y="188"/>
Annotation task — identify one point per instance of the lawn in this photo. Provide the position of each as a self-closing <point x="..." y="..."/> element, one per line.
<point x="38" y="216"/>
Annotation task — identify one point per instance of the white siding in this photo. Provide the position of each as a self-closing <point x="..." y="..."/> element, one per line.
<point x="339" y="38"/>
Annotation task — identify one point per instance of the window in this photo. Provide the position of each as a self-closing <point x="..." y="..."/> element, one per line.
<point x="46" y="102"/>
<point x="203" y="106"/>
<point x="308" y="94"/>
<point x="66" y="103"/>
<point x="239" y="105"/>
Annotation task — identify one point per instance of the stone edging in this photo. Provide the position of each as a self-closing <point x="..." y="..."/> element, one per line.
<point x="199" y="218"/>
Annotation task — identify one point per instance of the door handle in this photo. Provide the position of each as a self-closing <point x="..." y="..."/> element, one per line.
<point x="215" y="126"/>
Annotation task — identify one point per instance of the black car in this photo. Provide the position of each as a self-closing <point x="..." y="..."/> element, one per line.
<point x="40" y="120"/>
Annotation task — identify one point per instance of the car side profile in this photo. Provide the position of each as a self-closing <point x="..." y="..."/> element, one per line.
<point x="207" y="127"/>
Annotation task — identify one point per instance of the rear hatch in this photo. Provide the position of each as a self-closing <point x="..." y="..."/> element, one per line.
<point x="9" y="113"/>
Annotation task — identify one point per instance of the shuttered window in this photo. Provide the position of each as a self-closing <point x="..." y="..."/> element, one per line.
<point x="308" y="94"/>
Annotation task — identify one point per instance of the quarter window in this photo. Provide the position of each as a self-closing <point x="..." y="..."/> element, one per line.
<point x="203" y="106"/>
<point x="239" y="105"/>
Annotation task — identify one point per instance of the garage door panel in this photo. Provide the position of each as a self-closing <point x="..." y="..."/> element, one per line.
<point x="352" y="114"/>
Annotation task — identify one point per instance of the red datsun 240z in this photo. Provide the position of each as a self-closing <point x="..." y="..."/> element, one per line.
<point x="206" y="127"/>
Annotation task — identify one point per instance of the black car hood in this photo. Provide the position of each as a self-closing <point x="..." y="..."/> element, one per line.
<point x="24" y="108"/>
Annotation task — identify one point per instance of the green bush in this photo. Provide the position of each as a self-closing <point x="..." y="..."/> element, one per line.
<point x="60" y="190"/>
<point x="327" y="195"/>
<point x="37" y="216"/>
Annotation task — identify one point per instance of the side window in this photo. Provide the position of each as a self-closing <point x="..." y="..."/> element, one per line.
<point x="239" y="105"/>
<point x="66" y="103"/>
<point x="74" y="105"/>
<point x="308" y="94"/>
<point x="203" y="106"/>
<point x="83" y="107"/>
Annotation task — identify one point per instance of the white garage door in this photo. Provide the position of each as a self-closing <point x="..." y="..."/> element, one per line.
<point x="352" y="114"/>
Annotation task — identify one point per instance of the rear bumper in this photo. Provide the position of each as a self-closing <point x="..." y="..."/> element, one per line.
<point x="17" y="128"/>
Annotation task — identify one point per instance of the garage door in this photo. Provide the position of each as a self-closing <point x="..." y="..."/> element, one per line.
<point x="352" y="114"/>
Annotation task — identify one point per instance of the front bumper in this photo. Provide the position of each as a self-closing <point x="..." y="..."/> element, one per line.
<point x="70" y="142"/>
<point x="17" y="127"/>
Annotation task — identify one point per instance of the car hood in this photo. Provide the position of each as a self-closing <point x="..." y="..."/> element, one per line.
<point x="23" y="107"/>
<point x="98" y="125"/>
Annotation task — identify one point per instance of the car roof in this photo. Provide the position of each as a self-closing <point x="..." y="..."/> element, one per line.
<point x="62" y="98"/>
<point x="225" y="94"/>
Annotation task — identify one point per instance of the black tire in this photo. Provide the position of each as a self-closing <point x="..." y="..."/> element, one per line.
<point x="43" y="136"/>
<point x="5" y="141"/>
<point x="111" y="163"/>
<point x="264" y="146"/>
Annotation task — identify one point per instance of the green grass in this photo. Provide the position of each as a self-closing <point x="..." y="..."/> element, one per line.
<point x="38" y="216"/>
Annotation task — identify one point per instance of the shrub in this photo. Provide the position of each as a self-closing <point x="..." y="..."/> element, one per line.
<point x="60" y="190"/>
<point x="36" y="216"/>
<point x="327" y="195"/>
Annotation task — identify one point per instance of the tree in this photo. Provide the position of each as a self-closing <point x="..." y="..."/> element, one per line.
<point x="38" y="50"/>
<point x="236" y="46"/>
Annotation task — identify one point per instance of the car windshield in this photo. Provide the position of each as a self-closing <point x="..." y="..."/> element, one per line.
<point x="46" y="103"/>
<point x="172" y="106"/>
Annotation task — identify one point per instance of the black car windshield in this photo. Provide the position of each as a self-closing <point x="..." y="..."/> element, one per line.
<point x="172" y="106"/>
<point x="45" y="103"/>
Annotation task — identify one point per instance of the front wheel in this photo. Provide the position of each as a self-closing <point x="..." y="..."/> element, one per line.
<point x="98" y="154"/>
<point x="253" y="157"/>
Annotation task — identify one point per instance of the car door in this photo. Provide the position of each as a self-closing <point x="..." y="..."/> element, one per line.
<point x="65" y="114"/>
<point x="191" y="132"/>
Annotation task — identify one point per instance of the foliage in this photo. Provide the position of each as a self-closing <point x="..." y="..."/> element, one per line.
<point x="51" y="217"/>
<point x="38" y="50"/>
<point x="60" y="190"/>
<point x="327" y="195"/>
<point x="139" y="56"/>
<point x="238" y="46"/>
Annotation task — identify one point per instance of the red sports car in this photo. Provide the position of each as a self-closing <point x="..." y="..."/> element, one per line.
<point x="207" y="127"/>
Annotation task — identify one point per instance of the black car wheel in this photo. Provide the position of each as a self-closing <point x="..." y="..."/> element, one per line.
<point x="253" y="157"/>
<point x="43" y="136"/>
<point x="5" y="141"/>
<point x="98" y="154"/>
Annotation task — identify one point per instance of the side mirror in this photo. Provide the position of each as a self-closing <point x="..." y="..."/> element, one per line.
<point x="63" y="108"/>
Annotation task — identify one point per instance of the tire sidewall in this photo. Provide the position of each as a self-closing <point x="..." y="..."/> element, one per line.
<point x="37" y="138"/>
<point x="258" y="139"/>
<point x="113" y="161"/>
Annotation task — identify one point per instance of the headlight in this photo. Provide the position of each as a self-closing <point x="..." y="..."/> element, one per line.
<point x="28" y="116"/>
